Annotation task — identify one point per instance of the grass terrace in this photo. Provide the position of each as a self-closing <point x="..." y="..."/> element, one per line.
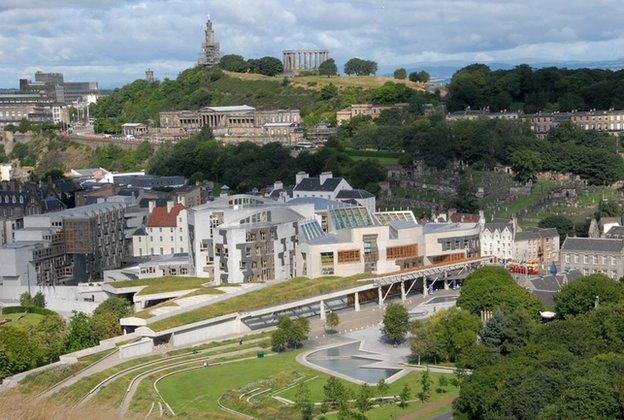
<point x="20" y="320"/>
<point x="164" y="284"/>
<point x="287" y="291"/>
<point x="384" y="158"/>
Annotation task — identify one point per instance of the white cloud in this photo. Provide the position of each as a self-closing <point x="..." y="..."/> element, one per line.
<point x="113" y="41"/>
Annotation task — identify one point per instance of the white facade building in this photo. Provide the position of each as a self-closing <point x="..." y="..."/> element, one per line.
<point x="165" y="232"/>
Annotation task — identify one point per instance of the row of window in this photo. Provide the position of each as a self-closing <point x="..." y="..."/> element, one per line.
<point x="591" y="259"/>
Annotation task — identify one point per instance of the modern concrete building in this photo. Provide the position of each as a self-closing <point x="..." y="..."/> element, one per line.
<point x="65" y="247"/>
<point x="593" y="255"/>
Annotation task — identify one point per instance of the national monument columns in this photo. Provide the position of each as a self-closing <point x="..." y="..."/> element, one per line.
<point x="295" y="60"/>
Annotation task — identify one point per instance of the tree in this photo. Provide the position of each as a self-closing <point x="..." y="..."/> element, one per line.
<point x="400" y="73"/>
<point x="303" y="401"/>
<point x="269" y="66"/>
<point x="425" y="386"/>
<point x="493" y="287"/>
<point x="395" y="322"/>
<point x="453" y="332"/>
<point x="279" y="340"/>
<point x="233" y="62"/>
<point x="118" y="306"/>
<point x="38" y="300"/>
<point x="357" y="66"/>
<point x="17" y="352"/>
<point x="382" y="387"/>
<point x="105" y="325"/>
<point x="328" y="68"/>
<point x="334" y="391"/>
<point x="332" y="320"/>
<point x="405" y="395"/>
<point x="526" y="164"/>
<point x="492" y="333"/>
<point x="289" y="333"/>
<point x="25" y="299"/>
<point x="80" y="333"/>
<point x="584" y="294"/>
<point x="608" y="208"/>
<point x="466" y="199"/>
<point x="362" y="401"/>
<point x="419" y="76"/>
<point x="563" y="225"/>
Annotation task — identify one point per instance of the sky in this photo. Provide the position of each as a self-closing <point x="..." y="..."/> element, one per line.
<point x="114" y="41"/>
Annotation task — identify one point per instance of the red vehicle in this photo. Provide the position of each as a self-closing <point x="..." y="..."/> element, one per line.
<point x="524" y="269"/>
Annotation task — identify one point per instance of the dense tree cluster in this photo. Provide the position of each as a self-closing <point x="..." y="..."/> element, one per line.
<point x="485" y="144"/>
<point x="563" y="225"/>
<point x="290" y="333"/>
<point x="419" y="76"/>
<point x="533" y="90"/>
<point x="571" y="367"/>
<point x="26" y="346"/>
<point x="246" y="166"/>
<point x="358" y="67"/>
<point x="400" y="73"/>
<point x="268" y="66"/>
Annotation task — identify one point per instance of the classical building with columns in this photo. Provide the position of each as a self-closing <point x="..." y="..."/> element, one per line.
<point x="236" y="124"/>
<point x="296" y="60"/>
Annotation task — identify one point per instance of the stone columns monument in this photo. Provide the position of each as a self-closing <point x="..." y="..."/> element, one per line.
<point x="296" y="60"/>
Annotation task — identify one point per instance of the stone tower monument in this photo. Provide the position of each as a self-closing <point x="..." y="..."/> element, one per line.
<point x="210" y="54"/>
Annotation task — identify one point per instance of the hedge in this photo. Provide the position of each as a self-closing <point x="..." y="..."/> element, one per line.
<point x="29" y="309"/>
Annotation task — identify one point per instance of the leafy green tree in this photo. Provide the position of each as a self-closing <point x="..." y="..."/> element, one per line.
<point x="328" y="68"/>
<point x="453" y="332"/>
<point x="332" y="320"/>
<point x="382" y="387"/>
<point x="493" y="287"/>
<point x="268" y="66"/>
<point x="608" y="208"/>
<point x="105" y="325"/>
<point x="233" y="62"/>
<point x="466" y="199"/>
<point x="19" y="351"/>
<point x="357" y="66"/>
<point x="334" y="391"/>
<point x="492" y="333"/>
<point x="80" y="332"/>
<point x="404" y="396"/>
<point x="279" y="340"/>
<point x="118" y="306"/>
<point x="303" y="401"/>
<point x="38" y="300"/>
<point x="425" y="386"/>
<point x="563" y="225"/>
<point x="362" y="400"/>
<point x="582" y="295"/>
<point x="526" y="164"/>
<point x="395" y="322"/>
<point x="400" y="73"/>
<point x="419" y="76"/>
<point x="25" y="299"/>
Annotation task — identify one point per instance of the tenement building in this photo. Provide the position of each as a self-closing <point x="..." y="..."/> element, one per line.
<point x="164" y="233"/>
<point x="232" y="124"/>
<point x="65" y="247"/>
<point x="369" y="110"/>
<point x="593" y="255"/>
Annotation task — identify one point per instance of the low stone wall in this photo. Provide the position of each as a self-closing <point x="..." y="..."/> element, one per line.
<point x="139" y="348"/>
<point x="209" y="332"/>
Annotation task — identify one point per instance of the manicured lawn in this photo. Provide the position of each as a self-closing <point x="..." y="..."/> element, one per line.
<point x="164" y="284"/>
<point x="287" y="291"/>
<point x="22" y="320"/>
<point x="197" y="392"/>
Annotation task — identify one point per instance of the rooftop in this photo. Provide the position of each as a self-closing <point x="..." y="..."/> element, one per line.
<point x="354" y="194"/>
<point x="314" y="184"/>
<point x="593" y="244"/>
<point x="231" y="108"/>
<point x="162" y="217"/>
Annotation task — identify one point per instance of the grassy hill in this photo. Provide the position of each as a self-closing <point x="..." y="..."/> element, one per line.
<point x="140" y="101"/>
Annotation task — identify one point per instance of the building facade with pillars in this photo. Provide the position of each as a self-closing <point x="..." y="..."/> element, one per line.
<point x="236" y="123"/>
<point x="296" y="60"/>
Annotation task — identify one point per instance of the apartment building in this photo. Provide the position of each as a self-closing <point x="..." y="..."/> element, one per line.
<point x="165" y="231"/>
<point x="593" y="255"/>
<point x="537" y="246"/>
<point x="331" y="188"/>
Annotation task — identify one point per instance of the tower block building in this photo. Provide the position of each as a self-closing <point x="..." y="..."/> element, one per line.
<point x="210" y="55"/>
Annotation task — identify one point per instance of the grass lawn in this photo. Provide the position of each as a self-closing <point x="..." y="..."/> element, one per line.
<point x="164" y="284"/>
<point x="22" y="320"/>
<point x="365" y="82"/>
<point x="197" y="392"/>
<point x="40" y="381"/>
<point x="287" y="291"/>
<point x="517" y="206"/>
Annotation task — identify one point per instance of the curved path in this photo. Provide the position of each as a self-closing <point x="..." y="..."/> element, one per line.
<point x="185" y="357"/>
<point x="136" y="381"/>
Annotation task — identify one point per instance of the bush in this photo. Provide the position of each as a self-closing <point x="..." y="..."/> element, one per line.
<point x="28" y="309"/>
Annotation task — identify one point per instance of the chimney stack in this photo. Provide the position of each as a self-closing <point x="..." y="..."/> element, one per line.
<point x="324" y="176"/>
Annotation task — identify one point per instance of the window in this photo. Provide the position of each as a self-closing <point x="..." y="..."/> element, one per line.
<point x="405" y="251"/>
<point x="348" y="256"/>
<point x="567" y="258"/>
<point x="613" y="258"/>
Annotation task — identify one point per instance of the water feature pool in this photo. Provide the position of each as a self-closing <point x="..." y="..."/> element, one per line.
<point x="349" y="360"/>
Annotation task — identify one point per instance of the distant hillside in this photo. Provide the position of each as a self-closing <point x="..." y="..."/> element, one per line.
<point x="140" y="101"/>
